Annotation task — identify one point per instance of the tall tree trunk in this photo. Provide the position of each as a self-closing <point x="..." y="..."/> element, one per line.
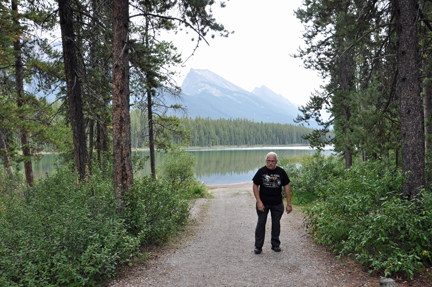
<point x="427" y="106"/>
<point x="411" y="112"/>
<point x="101" y="139"/>
<point x="19" y="86"/>
<point x="123" y="176"/>
<point x="73" y="86"/>
<point x="3" y="149"/>
<point x="91" y="143"/>
<point x="93" y="106"/>
<point x="150" y="111"/>
<point x="346" y="75"/>
<point x="98" y="142"/>
<point x="151" y="135"/>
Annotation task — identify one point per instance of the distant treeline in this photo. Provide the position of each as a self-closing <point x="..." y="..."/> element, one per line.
<point x="226" y="132"/>
<point x="207" y="132"/>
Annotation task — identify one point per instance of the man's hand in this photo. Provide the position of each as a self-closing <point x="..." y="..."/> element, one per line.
<point x="288" y="198"/>
<point x="260" y="206"/>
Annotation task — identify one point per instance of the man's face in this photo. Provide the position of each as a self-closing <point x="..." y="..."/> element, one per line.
<point x="271" y="162"/>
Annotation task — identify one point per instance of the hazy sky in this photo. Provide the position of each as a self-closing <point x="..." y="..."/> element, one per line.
<point x="266" y="33"/>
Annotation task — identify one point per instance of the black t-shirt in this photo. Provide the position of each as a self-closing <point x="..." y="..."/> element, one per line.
<point x="270" y="184"/>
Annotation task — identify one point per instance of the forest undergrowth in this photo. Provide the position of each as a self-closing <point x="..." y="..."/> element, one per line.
<point x="63" y="232"/>
<point x="361" y="212"/>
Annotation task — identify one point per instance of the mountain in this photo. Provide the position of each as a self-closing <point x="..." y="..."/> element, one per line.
<point x="207" y="94"/>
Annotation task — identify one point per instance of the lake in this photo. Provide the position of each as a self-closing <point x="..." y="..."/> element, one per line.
<point x="214" y="166"/>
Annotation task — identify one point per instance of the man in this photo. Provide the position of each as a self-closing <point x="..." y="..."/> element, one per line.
<point x="267" y="184"/>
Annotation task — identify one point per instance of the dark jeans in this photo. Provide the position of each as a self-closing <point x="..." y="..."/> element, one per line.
<point x="276" y="215"/>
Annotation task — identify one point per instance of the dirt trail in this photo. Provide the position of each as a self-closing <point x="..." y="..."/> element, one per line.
<point x="221" y="251"/>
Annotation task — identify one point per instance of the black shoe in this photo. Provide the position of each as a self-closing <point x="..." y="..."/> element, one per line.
<point x="276" y="249"/>
<point x="258" y="250"/>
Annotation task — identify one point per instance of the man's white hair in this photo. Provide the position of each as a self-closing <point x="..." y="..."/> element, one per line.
<point x="272" y="153"/>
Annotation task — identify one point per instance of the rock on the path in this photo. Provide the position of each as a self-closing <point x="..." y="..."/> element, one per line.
<point x="387" y="282"/>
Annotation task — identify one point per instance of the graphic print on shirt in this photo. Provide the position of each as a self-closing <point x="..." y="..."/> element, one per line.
<point x="271" y="180"/>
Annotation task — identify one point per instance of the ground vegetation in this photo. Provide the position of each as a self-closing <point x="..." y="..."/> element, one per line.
<point x="362" y="212"/>
<point x="66" y="232"/>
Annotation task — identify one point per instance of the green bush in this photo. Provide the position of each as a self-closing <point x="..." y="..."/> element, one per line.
<point x="65" y="233"/>
<point x="10" y="183"/>
<point x="60" y="234"/>
<point x="179" y="166"/>
<point x="194" y="189"/>
<point x="310" y="176"/>
<point x="155" y="210"/>
<point x="178" y="172"/>
<point x="362" y="213"/>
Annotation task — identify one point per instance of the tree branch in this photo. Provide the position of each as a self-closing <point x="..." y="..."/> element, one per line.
<point x="171" y="18"/>
<point x="364" y="35"/>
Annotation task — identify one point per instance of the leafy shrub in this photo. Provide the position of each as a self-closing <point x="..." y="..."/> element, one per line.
<point x="65" y="233"/>
<point x="155" y="210"/>
<point x="178" y="171"/>
<point x="60" y="234"/>
<point x="10" y="183"/>
<point x="193" y="189"/>
<point x="310" y="176"/>
<point x="362" y="213"/>
<point x="179" y="166"/>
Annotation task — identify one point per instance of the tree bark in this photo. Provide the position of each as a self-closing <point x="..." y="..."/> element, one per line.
<point x="98" y="142"/>
<point x="150" y="113"/>
<point x="123" y="176"/>
<point x="101" y="140"/>
<point x="19" y="86"/>
<point x="346" y="74"/>
<point x="411" y="112"/>
<point x="6" y="159"/>
<point x="151" y="135"/>
<point x="73" y="86"/>
<point x="91" y="143"/>
<point x="427" y="106"/>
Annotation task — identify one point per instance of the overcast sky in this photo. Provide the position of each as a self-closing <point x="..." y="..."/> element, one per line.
<point x="266" y="33"/>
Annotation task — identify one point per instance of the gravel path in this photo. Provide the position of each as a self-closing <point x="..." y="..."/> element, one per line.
<point x="221" y="251"/>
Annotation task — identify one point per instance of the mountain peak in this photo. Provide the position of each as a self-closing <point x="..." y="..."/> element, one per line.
<point x="207" y="94"/>
<point x="270" y="96"/>
<point x="197" y="80"/>
<point x="262" y="88"/>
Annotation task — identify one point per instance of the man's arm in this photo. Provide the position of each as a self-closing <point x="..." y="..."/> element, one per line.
<point x="260" y="205"/>
<point x="288" y="198"/>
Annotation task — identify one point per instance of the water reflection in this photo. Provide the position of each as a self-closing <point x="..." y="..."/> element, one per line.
<point x="236" y="165"/>
<point x="214" y="166"/>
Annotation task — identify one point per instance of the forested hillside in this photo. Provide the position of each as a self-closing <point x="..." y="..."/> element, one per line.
<point x="206" y="132"/>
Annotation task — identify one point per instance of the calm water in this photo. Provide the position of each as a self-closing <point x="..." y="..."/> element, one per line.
<point x="214" y="166"/>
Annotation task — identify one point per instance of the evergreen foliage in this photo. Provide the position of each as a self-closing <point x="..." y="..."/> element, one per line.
<point x="353" y="45"/>
<point x="372" y="54"/>
<point x="206" y="132"/>
<point x="237" y="132"/>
